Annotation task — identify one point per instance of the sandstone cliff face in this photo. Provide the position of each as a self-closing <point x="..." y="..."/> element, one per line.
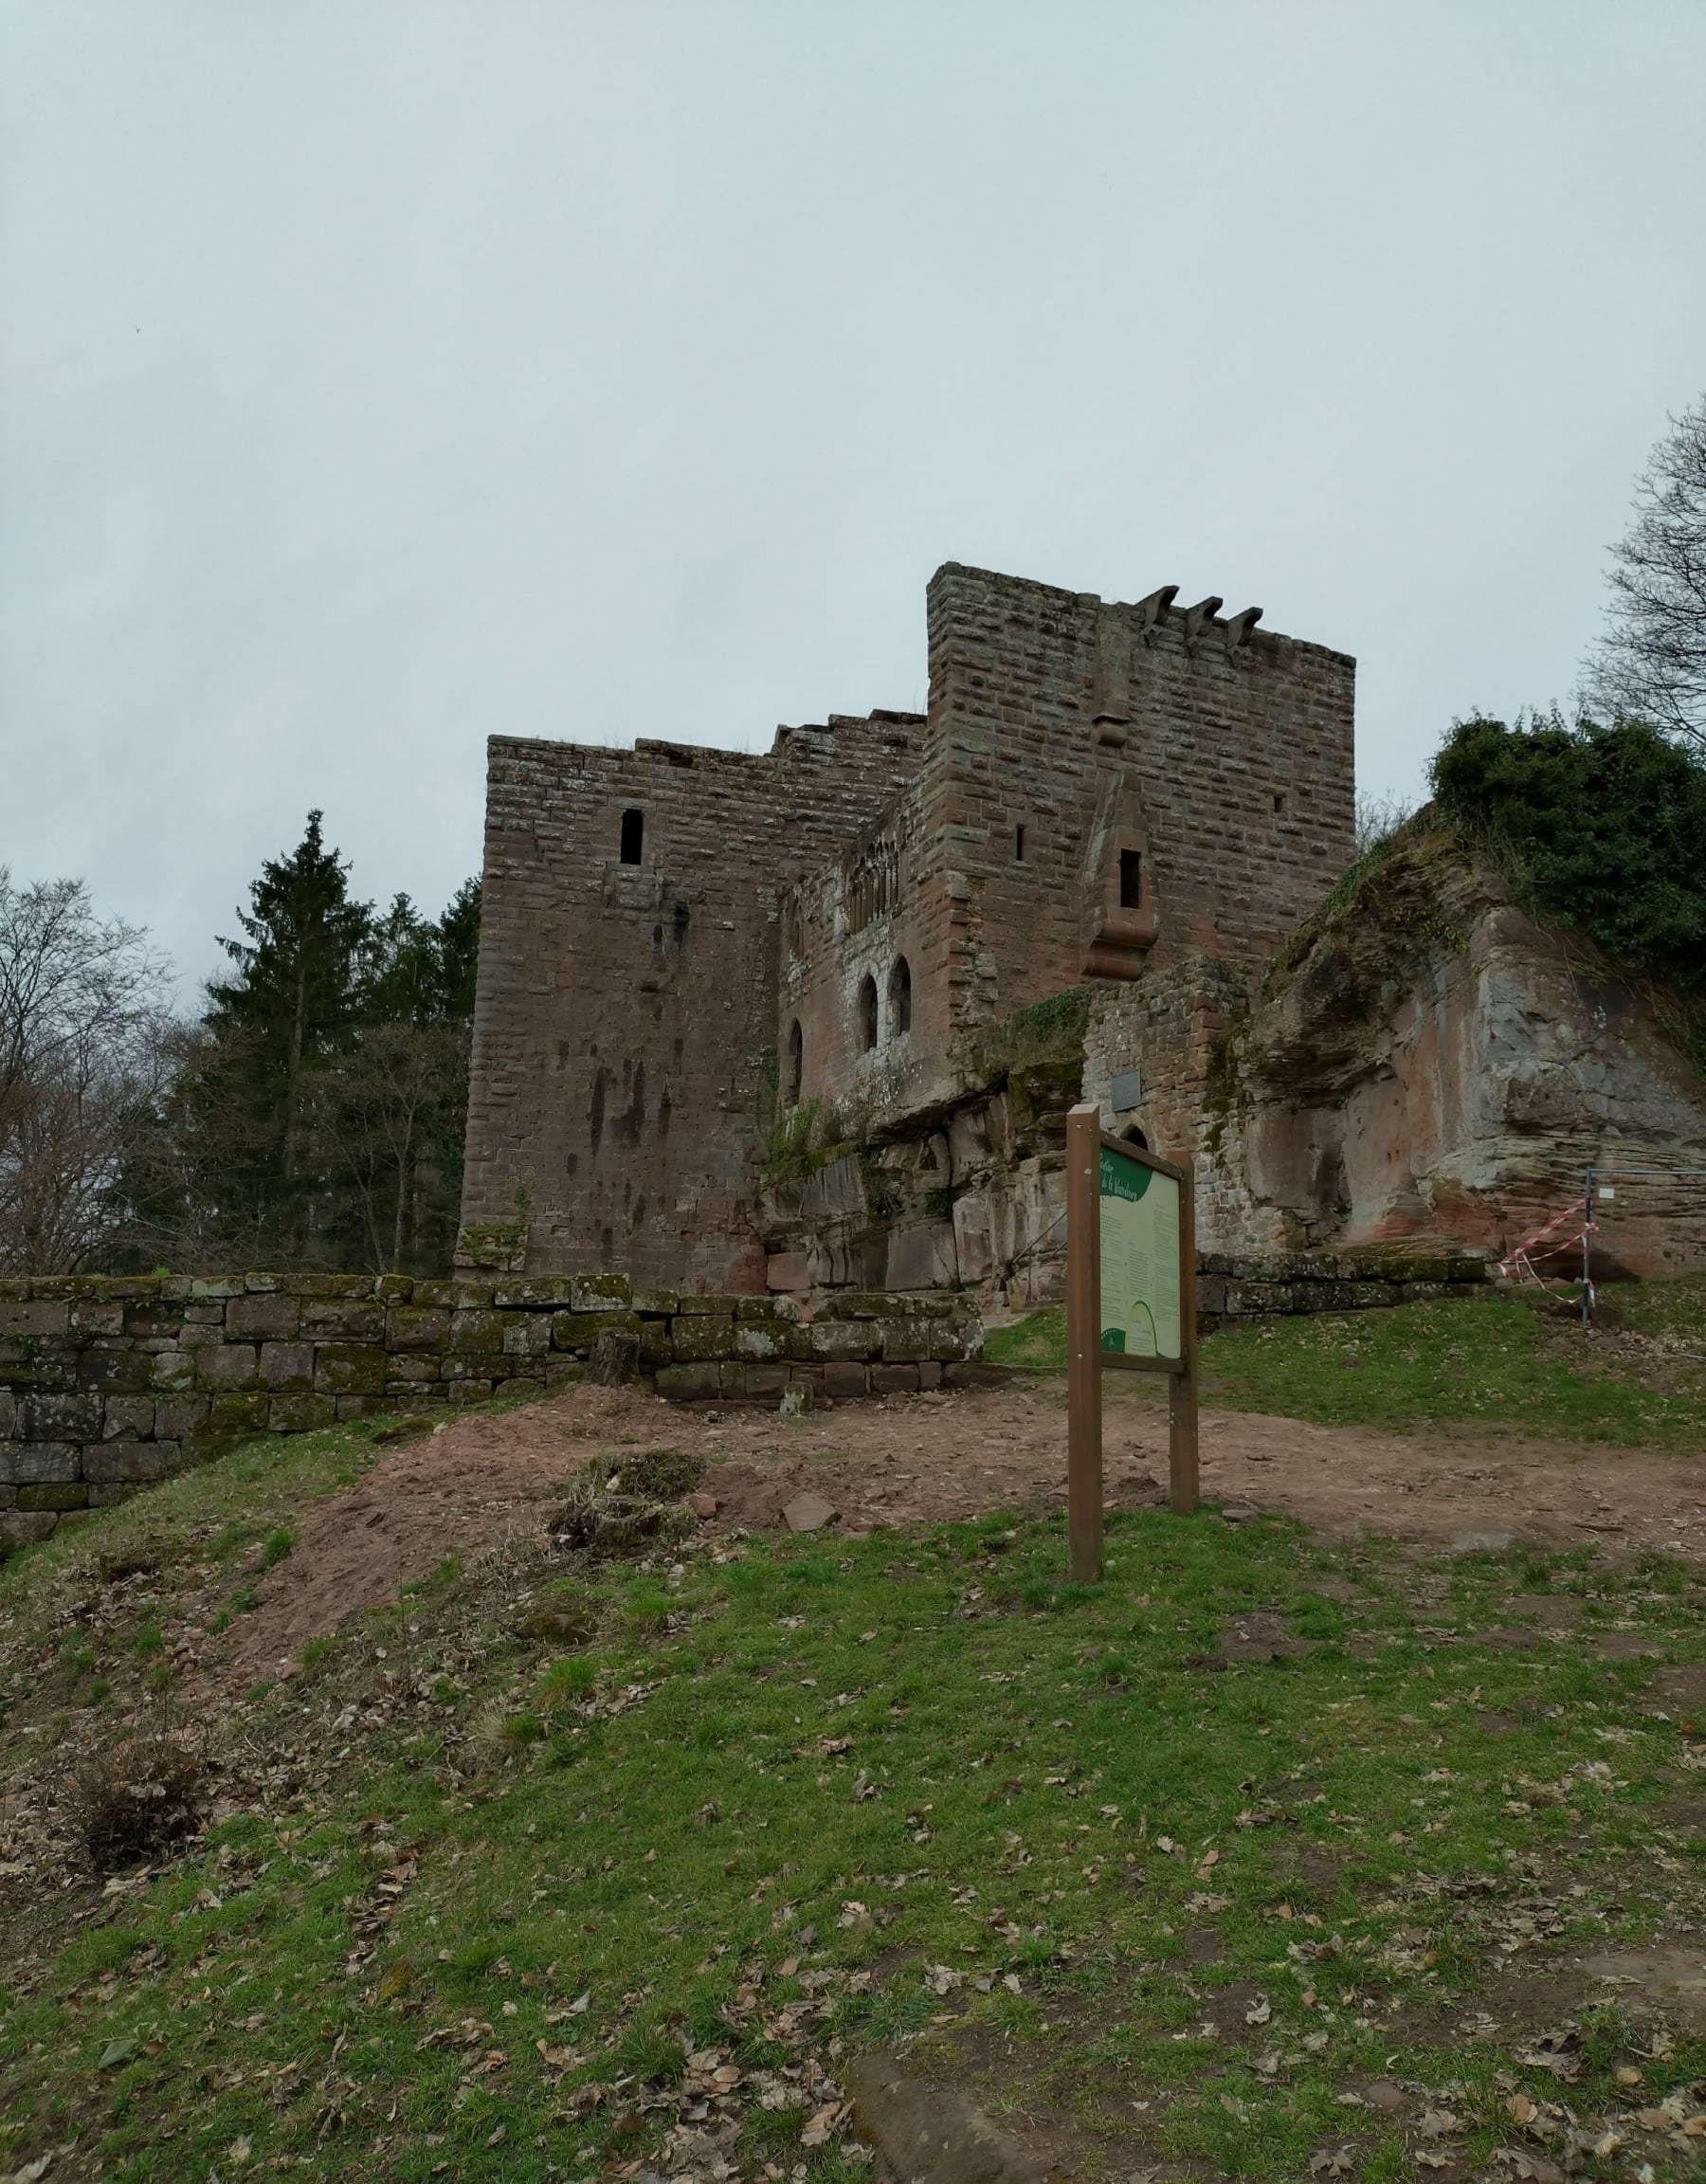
<point x="1424" y="1067"/>
<point x="1424" y="1059"/>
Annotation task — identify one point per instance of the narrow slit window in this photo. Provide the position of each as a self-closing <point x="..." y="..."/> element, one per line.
<point x="1131" y="879"/>
<point x="633" y="836"/>
<point x="1018" y="844"/>
<point x="796" y="1062"/>
<point x="1280" y="804"/>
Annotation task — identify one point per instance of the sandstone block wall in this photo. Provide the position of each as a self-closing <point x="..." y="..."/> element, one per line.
<point x="108" y="1385"/>
<point x="1066" y="732"/>
<point x="624" y="1025"/>
<point x="638" y="1017"/>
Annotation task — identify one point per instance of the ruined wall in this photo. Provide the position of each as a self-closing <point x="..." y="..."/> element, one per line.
<point x="111" y="1384"/>
<point x="1096" y="790"/>
<point x="626" y="1017"/>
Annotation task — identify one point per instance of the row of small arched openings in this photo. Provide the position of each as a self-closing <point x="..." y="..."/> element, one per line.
<point x="869" y="1028"/>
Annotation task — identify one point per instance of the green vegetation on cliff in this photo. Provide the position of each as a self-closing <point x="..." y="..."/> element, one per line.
<point x="1605" y="826"/>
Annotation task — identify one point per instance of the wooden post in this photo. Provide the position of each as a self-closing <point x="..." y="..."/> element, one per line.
<point x="1083" y="1344"/>
<point x="1182" y="1387"/>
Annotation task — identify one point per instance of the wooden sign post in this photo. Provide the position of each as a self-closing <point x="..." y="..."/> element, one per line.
<point x="1131" y="1307"/>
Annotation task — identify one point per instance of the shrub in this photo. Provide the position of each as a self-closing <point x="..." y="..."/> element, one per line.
<point x="136" y="1798"/>
<point x="1606" y="826"/>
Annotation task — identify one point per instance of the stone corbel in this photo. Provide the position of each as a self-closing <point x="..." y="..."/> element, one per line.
<point x="1240" y="626"/>
<point x="1149" y="612"/>
<point x="1200" y="617"/>
<point x="1119" y="935"/>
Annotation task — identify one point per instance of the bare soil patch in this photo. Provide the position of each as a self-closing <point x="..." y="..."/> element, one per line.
<point x="913" y="1460"/>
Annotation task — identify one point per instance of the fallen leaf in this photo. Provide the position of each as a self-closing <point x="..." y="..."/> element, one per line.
<point x="398" y="1973"/>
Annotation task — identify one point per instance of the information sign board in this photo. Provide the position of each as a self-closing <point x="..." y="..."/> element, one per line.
<point x="1130" y="1306"/>
<point x="1139" y="1261"/>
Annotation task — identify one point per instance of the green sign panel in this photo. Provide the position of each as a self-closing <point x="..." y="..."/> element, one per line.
<point x="1139" y="1259"/>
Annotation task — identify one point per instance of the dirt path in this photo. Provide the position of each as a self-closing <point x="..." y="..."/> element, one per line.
<point x="915" y="1460"/>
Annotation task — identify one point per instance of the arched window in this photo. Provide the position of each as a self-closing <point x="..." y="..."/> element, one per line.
<point x="633" y="834"/>
<point x="1134" y="1136"/>
<point x="900" y="998"/>
<point x="867" y="1014"/>
<point x="796" y="1062"/>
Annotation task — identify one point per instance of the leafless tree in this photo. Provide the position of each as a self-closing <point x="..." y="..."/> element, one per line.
<point x="82" y="1018"/>
<point x="1651" y="662"/>
<point x="1378" y="818"/>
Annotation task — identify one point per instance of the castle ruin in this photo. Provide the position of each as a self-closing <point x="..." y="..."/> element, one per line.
<point x="684" y="948"/>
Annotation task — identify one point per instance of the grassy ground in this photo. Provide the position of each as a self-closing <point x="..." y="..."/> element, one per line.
<point x="1493" y="1360"/>
<point x="478" y="1909"/>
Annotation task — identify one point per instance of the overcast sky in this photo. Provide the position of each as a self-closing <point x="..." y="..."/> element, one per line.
<point x="377" y="376"/>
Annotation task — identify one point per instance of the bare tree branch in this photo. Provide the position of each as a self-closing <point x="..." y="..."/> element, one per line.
<point x="1651" y="663"/>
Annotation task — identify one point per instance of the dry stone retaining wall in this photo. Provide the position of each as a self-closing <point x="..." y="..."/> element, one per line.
<point x="109" y="1384"/>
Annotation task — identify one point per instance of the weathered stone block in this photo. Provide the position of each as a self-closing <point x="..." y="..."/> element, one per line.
<point x="64" y="1417"/>
<point x="21" y="1528"/>
<point x="9" y="1416"/>
<point x="122" y="1372"/>
<point x="349" y="1319"/>
<point x="765" y="1383"/>
<point x="789" y="1270"/>
<point x="326" y="1284"/>
<point x="772" y="1310"/>
<point x="348" y="1369"/>
<point x="232" y="1366"/>
<point x="416" y="1327"/>
<point x="657" y="1304"/>
<point x="231" y="1415"/>
<point x="410" y="1368"/>
<point x="109" y="1496"/>
<point x="377" y="1406"/>
<point x="271" y="1317"/>
<point x="477" y="1332"/>
<point x="894" y="1379"/>
<point x="469" y="1391"/>
<point x="177" y="1417"/>
<point x="690" y="1383"/>
<point x="88" y="1317"/>
<point x="600" y="1293"/>
<point x="202" y="1330"/>
<point x="172" y="1372"/>
<point x="203" y="1288"/>
<point x="40" y="1463"/>
<point x="563" y="1372"/>
<point x="580" y="1330"/>
<point x="154" y="1323"/>
<point x="844" y="1381"/>
<point x="759" y="1341"/>
<point x="549" y="1293"/>
<point x="394" y="1289"/>
<point x="287" y="1366"/>
<point x="654" y="1344"/>
<point x="717" y="1306"/>
<point x="840" y="1339"/>
<point x="55" y="1498"/>
<point x="43" y="1319"/>
<point x="694" y="1338"/>
<point x="526" y="1335"/>
<point x="300" y="1414"/>
<point x="129" y="1461"/>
